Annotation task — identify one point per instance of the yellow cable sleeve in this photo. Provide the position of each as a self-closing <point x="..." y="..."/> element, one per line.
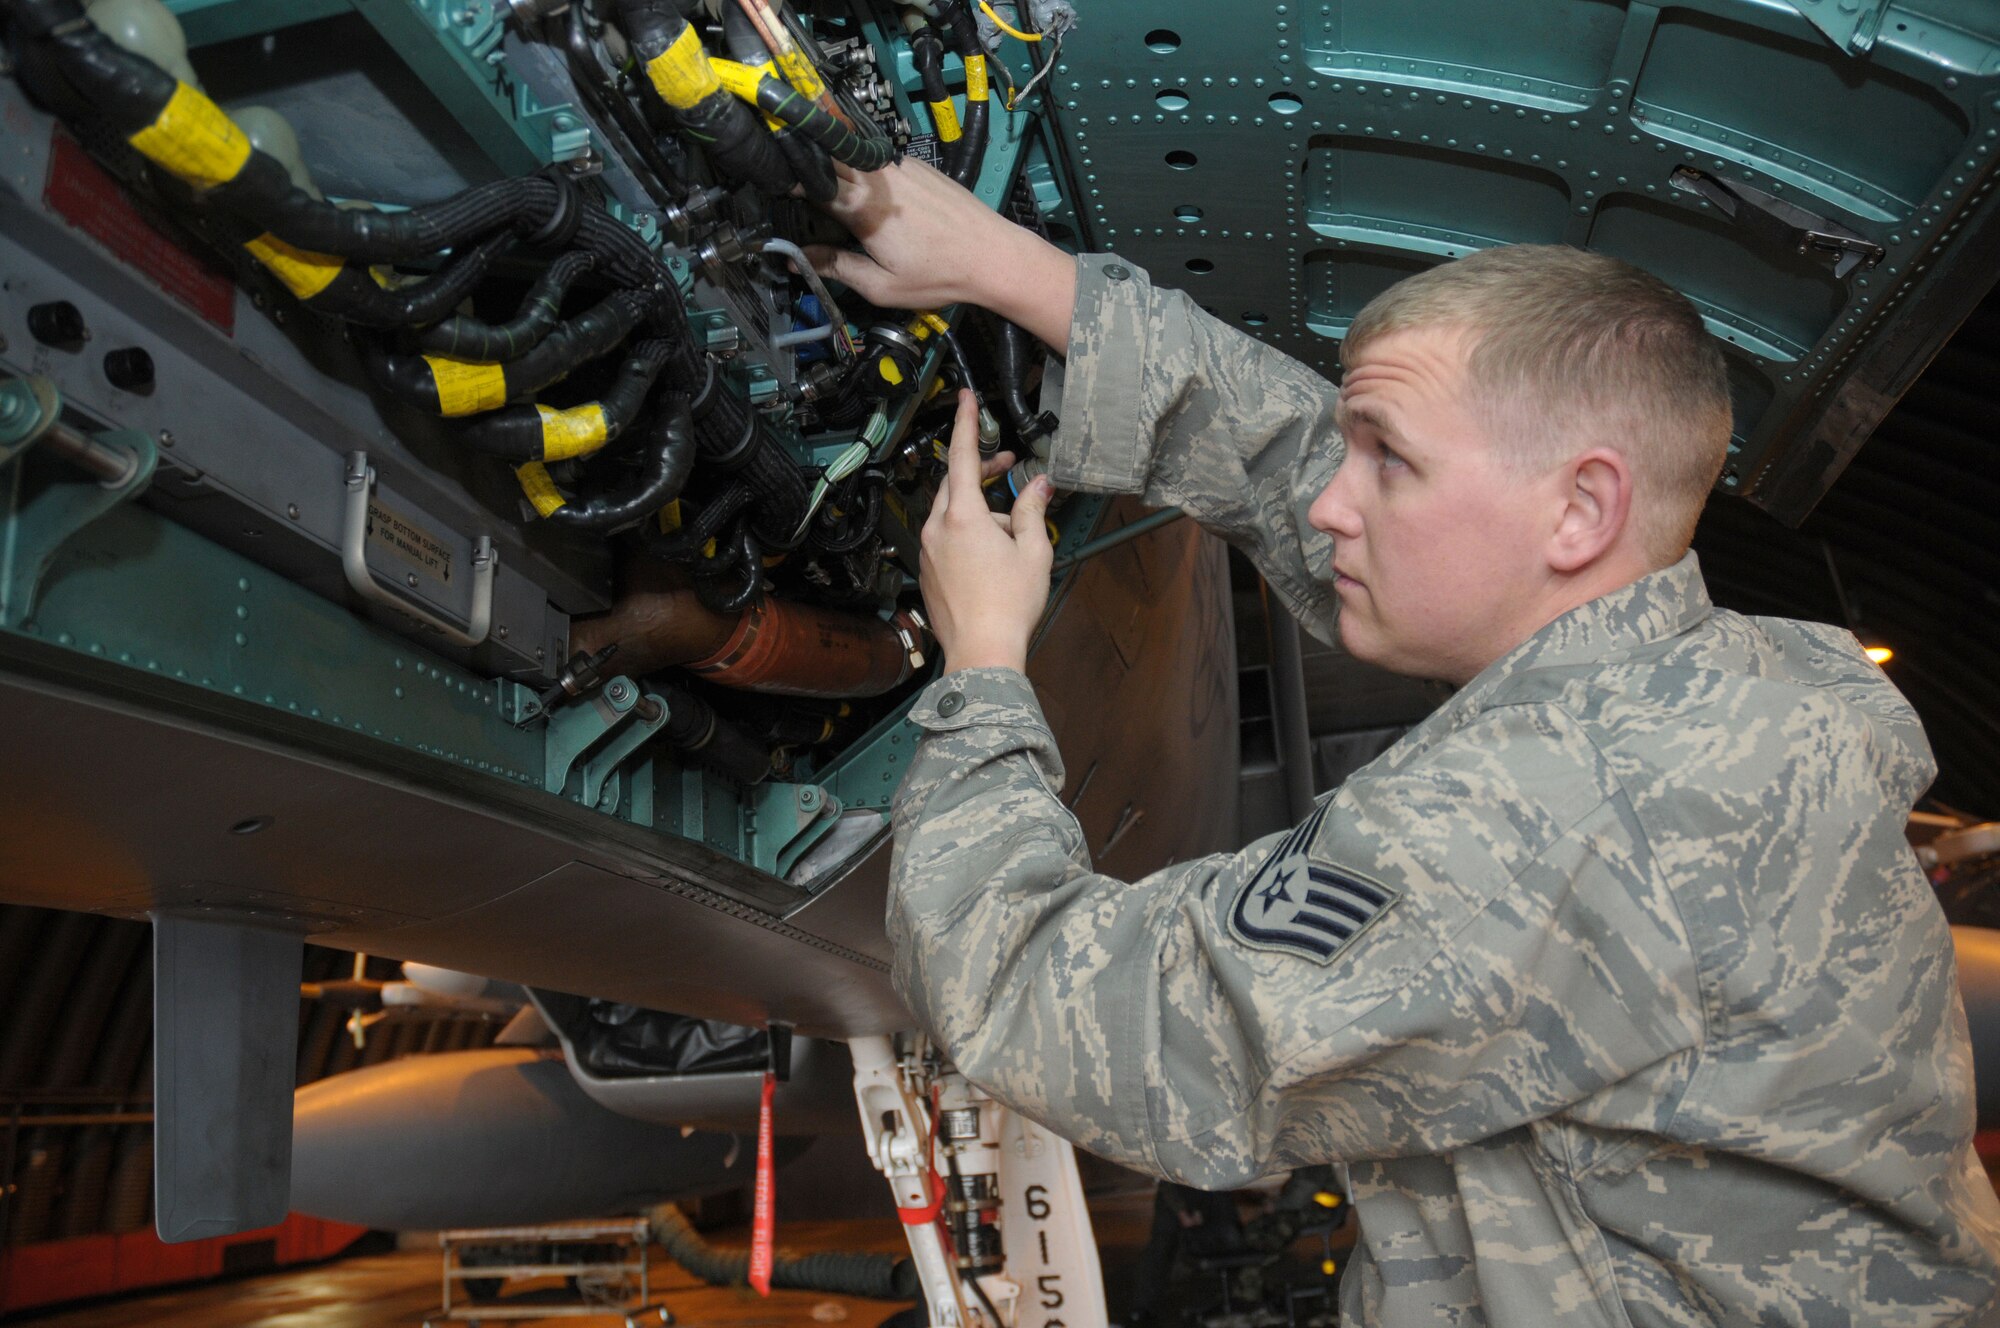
<point x="799" y="72"/>
<point x="933" y="321"/>
<point x="975" y="79"/>
<point x="670" y="517"/>
<point x="541" y="490"/>
<point x="575" y="432"/>
<point x="742" y="80"/>
<point x="681" y="73"/>
<point x="304" y="273"/>
<point x="465" y="387"/>
<point x="1007" y="27"/>
<point x="193" y="138"/>
<point x="945" y="117"/>
<point x="738" y="78"/>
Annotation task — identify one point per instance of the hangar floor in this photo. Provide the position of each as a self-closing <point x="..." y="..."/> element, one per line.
<point x="398" y="1289"/>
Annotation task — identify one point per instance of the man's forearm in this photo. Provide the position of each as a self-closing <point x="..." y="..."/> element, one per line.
<point x="1027" y="280"/>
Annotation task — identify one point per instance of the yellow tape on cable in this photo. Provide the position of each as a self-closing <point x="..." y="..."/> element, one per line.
<point x="540" y="489"/>
<point x="975" y="78"/>
<point x="304" y="273"/>
<point x="945" y="117"/>
<point x="681" y="73"/>
<point x="799" y="72"/>
<point x="465" y="387"/>
<point x="194" y="139"/>
<point x="741" y="81"/>
<point x="575" y="432"/>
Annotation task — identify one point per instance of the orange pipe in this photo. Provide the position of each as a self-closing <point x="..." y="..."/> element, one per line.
<point x="774" y="646"/>
<point x="799" y="650"/>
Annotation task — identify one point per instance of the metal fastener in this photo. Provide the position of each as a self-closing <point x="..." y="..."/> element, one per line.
<point x="410" y="579"/>
<point x="1117" y="271"/>
<point x="166" y="438"/>
<point x="292" y="511"/>
<point x="950" y="704"/>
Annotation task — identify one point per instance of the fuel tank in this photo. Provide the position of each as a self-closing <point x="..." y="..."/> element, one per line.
<point x="496" y="1137"/>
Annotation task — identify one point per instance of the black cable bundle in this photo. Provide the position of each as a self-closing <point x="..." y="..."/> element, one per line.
<point x="668" y="442"/>
<point x="955" y="16"/>
<point x="465" y="338"/>
<point x="737" y="142"/>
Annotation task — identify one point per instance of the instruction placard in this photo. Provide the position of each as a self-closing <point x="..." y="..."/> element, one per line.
<point x="408" y="541"/>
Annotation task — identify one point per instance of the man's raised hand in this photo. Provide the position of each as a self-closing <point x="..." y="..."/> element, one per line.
<point x="985" y="576"/>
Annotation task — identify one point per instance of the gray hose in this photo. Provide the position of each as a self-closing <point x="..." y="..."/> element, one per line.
<point x="871" y="1276"/>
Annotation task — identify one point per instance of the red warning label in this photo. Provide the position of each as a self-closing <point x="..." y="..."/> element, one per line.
<point x="84" y="195"/>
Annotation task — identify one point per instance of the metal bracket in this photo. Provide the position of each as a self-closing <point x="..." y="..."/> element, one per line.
<point x="1772" y="218"/>
<point x="28" y="406"/>
<point x="590" y="740"/>
<point x="784" y="820"/>
<point x="456" y="47"/>
<point x="360" y="483"/>
<point x="893" y="1123"/>
<point x="1850" y="24"/>
<point x="49" y="493"/>
<point x="225" y="1028"/>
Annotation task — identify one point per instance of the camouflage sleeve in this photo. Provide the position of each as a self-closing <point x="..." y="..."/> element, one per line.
<point x="1440" y="953"/>
<point x="1162" y="400"/>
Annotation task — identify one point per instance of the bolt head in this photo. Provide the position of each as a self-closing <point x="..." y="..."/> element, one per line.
<point x="410" y="579"/>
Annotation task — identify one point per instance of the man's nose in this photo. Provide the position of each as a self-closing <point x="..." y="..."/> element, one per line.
<point x="1334" y="511"/>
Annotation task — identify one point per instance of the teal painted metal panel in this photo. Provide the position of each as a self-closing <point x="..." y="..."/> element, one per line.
<point x="205" y="22"/>
<point x="1285" y="162"/>
<point x="140" y="591"/>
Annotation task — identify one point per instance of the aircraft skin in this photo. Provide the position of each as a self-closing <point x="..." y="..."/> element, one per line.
<point x="1136" y="666"/>
<point x="133" y="769"/>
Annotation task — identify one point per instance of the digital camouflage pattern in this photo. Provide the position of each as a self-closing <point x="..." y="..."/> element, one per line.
<point x="1658" y="1023"/>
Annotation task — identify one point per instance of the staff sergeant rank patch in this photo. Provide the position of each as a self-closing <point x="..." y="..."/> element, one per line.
<point x="1306" y="908"/>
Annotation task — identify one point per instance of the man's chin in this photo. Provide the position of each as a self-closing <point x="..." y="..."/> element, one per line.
<point x="1356" y="639"/>
<point x="1368" y="647"/>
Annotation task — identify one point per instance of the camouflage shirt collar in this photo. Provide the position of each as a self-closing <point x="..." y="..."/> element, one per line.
<point x="1656" y="606"/>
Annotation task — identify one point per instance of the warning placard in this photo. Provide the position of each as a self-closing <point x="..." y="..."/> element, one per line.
<point x="90" y="200"/>
<point x="408" y="541"/>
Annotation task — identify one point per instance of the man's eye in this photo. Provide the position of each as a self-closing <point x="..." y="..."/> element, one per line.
<point x="1387" y="454"/>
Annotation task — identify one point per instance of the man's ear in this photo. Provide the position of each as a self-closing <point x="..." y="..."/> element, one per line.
<point x="1596" y="497"/>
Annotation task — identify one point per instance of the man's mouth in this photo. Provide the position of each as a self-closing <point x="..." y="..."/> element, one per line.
<point x="1341" y="578"/>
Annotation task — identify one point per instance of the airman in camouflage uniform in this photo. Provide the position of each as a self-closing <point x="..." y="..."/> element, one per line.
<point x="1614" y="984"/>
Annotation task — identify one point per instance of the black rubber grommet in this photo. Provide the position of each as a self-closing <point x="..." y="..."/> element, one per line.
<point x="567" y="217"/>
<point x="739" y="454"/>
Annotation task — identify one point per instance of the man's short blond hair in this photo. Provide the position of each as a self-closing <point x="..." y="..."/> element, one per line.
<point x="1572" y="350"/>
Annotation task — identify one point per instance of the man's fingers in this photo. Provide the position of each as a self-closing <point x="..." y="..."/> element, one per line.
<point x="996" y="465"/>
<point x="827" y="260"/>
<point x="963" y="479"/>
<point x="1030" y="515"/>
